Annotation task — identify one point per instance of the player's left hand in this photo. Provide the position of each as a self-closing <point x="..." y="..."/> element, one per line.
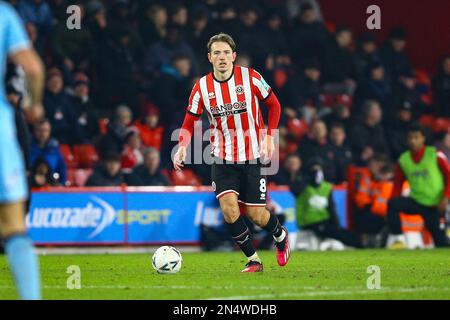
<point x="443" y="205"/>
<point x="268" y="147"/>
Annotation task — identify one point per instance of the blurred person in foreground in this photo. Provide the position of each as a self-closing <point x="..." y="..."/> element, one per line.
<point x="22" y="260"/>
<point x="428" y="173"/>
<point x="230" y="95"/>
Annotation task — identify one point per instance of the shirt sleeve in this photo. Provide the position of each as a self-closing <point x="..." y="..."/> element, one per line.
<point x="15" y="36"/>
<point x="444" y="166"/>
<point x="195" y="106"/>
<point x="260" y="86"/>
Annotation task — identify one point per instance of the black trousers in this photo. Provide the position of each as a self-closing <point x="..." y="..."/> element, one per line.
<point x="409" y="206"/>
<point x="328" y="229"/>
<point x="367" y="222"/>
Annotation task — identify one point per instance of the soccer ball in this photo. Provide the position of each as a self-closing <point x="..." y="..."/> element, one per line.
<point x="167" y="259"/>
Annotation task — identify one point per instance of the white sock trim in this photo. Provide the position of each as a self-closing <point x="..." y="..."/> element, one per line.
<point x="254" y="257"/>
<point x="281" y="237"/>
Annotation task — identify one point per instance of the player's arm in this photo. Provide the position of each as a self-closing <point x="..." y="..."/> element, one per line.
<point x="265" y="93"/>
<point x="193" y="113"/>
<point x="20" y="50"/>
<point x="444" y="166"/>
<point x="32" y="65"/>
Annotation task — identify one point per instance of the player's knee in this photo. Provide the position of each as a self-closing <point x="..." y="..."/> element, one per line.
<point x="257" y="216"/>
<point x="231" y="212"/>
<point x="11" y="220"/>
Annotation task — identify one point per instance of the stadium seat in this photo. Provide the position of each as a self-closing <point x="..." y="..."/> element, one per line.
<point x="427" y="120"/>
<point x="297" y="128"/>
<point x="184" y="177"/>
<point x="68" y="156"/>
<point x="441" y="125"/>
<point x="103" y="125"/>
<point x="85" y="155"/>
<point x="344" y="99"/>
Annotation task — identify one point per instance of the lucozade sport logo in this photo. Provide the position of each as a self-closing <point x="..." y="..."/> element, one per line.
<point x="97" y="214"/>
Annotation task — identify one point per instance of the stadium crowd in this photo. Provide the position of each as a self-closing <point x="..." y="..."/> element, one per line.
<point x="117" y="88"/>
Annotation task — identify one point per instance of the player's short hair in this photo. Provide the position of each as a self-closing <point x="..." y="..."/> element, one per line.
<point x="416" y="127"/>
<point x="222" y="37"/>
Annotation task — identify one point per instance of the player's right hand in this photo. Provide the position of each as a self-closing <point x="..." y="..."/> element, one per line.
<point x="179" y="157"/>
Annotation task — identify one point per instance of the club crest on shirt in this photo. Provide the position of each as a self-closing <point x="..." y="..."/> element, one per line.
<point x="211" y="95"/>
<point x="239" y="89"/>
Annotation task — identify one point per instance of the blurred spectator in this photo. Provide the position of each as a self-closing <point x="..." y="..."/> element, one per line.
<point x="199" y="34"/>
<point x="316" y="146"/>
<point x="107" y="173"/>
<point x="250" y="38"/>
<point x="374" y="86"/>
<point x="150" y="131"/>
<point x="117" y="67"/>
<point x="117" y="128"/>
<point x="289" y="172"/>
<point x="340" y="114"/>
<point x="38" y="13"/>
<point x="398" y="128"/>
<point x="227" y="20"/>
<point x="339" y="67"/>
<point x="309" y="36"/>
<point x="152" y="25"/>
<point x="96" y="21"/>
<point x="84" y="114"/>
<point x="368" y="137"/>
<point x="275" y="36"/>
<point x="372" y="194"/>
<point x="366" y="54"/>
<point x="58" y="107"/>
<point x="43" y="146"/>
<point x="343" y="156"/>
<point x="179" y="16"/>
<point x="72" y="47"/>
<point x="160" y="54"/>
<point x="405" y="89"/>
<point x="393" y="53"/>
<point x="131" y="154"/>
<point x="172" y="88"/>
<point x="315" y="207"/>
<point x="305" y="90"/>
<point x="149" y="173"/>
<point x="443" y="143"/>
<point x="441" y="87"/>
<point x="41" y="175"/>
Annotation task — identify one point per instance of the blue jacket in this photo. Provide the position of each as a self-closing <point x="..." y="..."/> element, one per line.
<point x="52" y="155"/>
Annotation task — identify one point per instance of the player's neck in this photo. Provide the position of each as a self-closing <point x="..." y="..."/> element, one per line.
<point x="223" y="76"/>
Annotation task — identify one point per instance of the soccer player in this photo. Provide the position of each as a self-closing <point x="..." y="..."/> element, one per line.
<point x="230" y="94"/>
<point x="428" y="173"/>
<point x="13" y="188"/>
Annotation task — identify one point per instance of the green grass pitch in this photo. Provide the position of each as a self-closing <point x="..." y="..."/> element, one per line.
<point x="309" y="275"/>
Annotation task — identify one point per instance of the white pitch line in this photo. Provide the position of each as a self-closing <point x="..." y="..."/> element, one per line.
<point x="321" y="293"/>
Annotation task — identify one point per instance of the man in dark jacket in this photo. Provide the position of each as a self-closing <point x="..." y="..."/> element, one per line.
<point x="58" y="108"/>
<point x="149" y="173"/>
<point x="393" y="53"/>
<point x="368" y="137"/>
<point x="84" y="113"/>
<point x="107" y="173"/>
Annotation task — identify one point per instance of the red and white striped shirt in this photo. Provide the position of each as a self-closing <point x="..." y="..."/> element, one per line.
<point x="237" y="126"/>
